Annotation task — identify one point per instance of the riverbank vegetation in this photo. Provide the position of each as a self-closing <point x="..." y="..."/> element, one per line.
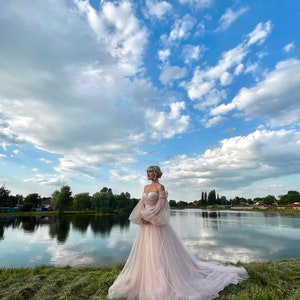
<point x="102" y="202"/>
<point x="106" y="202"/>
<point x="274" y="280"/>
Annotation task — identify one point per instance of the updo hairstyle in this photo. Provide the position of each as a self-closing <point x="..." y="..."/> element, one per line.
<point x="156" y="170"/>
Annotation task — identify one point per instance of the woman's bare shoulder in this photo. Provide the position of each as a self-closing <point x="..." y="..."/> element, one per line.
<point x="158" y="187"/>
<point x="161" y="187"/>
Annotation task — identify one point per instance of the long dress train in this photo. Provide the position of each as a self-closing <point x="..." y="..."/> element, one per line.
<point x="159" y="267"/>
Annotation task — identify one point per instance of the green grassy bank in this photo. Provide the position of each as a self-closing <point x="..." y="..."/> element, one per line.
<point x="268" y="280"/>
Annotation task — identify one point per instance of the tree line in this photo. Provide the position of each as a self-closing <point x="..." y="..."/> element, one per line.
<point x="105" y="201"/>
<point x="62" y="200"/>
<point x="212" y="198"/>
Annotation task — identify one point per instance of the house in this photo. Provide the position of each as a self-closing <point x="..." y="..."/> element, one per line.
<point x="296" y="205"/>
<point x="46" y="203"/>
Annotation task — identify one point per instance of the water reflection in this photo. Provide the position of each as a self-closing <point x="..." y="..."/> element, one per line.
<point x="93" y="240"/>
<point x="59" y="226"/>
<point x="238" y="235"/>
<point x="102" y="225"/>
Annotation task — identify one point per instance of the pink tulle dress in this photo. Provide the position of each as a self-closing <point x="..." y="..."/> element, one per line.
<point x="159" y="267"/>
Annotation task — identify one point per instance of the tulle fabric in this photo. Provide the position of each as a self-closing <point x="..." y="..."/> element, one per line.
<point x="160" y="268"/>
<point x="153" y="208"/>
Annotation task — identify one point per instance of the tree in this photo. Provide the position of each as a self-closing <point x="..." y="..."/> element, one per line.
<point x="290" y="197"/>
<point x="204" y="198"/>
<point x="19" y="200"/>
<point x="56" y="199"/>
<point x="172" y="203"/>
<point x="211" y="197"/>
<point x="62" y="199"/>
<point x="124" y="202"/>
<point x="82" y="201"/>
<point x="182" y="204"/>
<point x="4" y="195"/>
<point x="223" y="200"/>
<point x="236" y="201"/>
<point x="105" y="190"/>
<point x="31" y="201"/>
<point x="96" y="201"/>
<point x="258" y="200"/>
<point x="104" y="200"/>
<point x="269" y="200"/>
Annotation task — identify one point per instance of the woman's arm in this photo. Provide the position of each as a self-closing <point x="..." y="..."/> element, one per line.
<point x="159" y="213"/>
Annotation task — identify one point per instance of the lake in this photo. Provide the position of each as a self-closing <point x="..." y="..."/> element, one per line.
<point x="220" y="236"/>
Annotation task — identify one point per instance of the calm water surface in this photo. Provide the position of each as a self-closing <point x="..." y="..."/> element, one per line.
<point x="221" y="236"/>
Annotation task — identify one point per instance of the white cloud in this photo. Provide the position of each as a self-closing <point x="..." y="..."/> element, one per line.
<point x="212" y="98"/>
<point x="205" y="80"/>
<point x="157" y="8"/>
<point x="274" y="98"/>
<point x="167" y="124"/>
<point x="260" y="33"/>
<point x="230" y="17"/>
<point x="212" y="121"/>
<point x="181" y="28"/>
<point x="191" y="53"/>
<point x="226" y="78"/>
<point x="91" y="91"/>
<point x="215" y="78"/>
<point x="82" y="96"/>
<point x="251" y="68"/>
<point x="171" y="73"/>
<point x="62" y="256"/>
<point x="198" y="3"/>
<point x="163" y="55"/>
<point x="46" y="161"/>
<point x="124" y="175"/>
<point x="238" y="162"/>
<point x="288" y="47"/>
<point x="120" y="30"/>
<point x="48" y="179"/>
<point x="238" y="70"/>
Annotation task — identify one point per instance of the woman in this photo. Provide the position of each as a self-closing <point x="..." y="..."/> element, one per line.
<point x="159" y="267"/>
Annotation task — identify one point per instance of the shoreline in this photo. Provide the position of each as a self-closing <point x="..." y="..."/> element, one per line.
<point x="289" y="211"/>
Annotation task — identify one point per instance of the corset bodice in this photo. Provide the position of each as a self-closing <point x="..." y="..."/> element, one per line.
<point x="150" y="199"/>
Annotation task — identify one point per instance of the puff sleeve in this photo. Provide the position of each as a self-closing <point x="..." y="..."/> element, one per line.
<point x="159" y="213"/>
<point x="136" y="214"/>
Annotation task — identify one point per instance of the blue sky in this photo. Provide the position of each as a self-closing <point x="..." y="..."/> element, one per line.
<point x="93" y="92"/>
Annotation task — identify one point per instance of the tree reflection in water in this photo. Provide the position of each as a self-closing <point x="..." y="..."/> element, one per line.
<point x="223" y="236"/>
<point x="59" y="226"/>
<point x="1" y="231"/>
<point x="103" y="224"/>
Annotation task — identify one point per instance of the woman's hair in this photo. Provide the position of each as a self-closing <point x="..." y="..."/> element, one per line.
<point x="156" y="170"/>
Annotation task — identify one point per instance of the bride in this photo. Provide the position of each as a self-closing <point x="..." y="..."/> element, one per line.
<point x="159" y="267"/>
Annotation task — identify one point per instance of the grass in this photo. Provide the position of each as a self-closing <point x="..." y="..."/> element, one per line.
<point x="45" y="282"/>
<point x="273" y="280"/>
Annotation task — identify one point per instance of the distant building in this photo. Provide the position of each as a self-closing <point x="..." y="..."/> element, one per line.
<point x="46" y="202"/>
<point x="296" y="205"/>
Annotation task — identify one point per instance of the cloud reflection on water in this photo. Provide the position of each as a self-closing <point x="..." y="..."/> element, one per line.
<point x="228" y="236"/>
<point x="220" y="236"/>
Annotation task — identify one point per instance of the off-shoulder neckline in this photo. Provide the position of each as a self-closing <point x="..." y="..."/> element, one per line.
<point x="157" y="193"/>
<point x="150" y="193"/>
